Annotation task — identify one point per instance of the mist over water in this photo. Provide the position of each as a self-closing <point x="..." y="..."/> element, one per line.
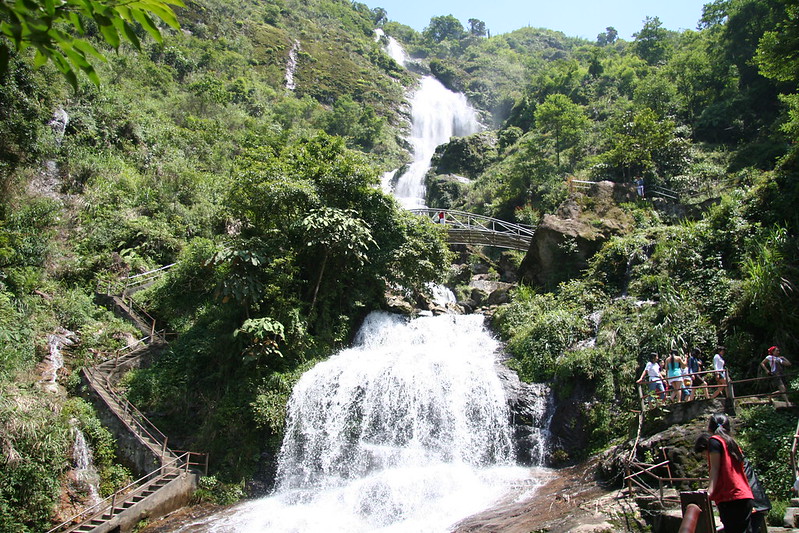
<point x="407" y="431"/>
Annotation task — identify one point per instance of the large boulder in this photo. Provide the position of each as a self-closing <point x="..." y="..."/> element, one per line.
<point x="564" y="242"/>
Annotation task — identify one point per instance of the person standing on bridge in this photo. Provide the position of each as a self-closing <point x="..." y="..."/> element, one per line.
<point x="721" y="371"/>
<point x="441" y="218"/>
<point x="774" y="365"/>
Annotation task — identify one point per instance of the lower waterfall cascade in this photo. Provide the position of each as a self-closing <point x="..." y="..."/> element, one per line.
<point x="408" y="430"/>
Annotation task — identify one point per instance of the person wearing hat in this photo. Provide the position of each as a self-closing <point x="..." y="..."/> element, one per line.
<point x="774" y="364"/>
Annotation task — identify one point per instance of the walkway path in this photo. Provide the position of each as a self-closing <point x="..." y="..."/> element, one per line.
<point x="468" y="228"/>
<point x="172" y="476"/>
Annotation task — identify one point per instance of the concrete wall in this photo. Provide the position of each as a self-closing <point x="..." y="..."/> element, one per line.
<point x="174" y="495"/>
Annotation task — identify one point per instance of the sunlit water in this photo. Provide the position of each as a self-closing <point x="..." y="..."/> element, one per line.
<point x="407" y="431"/>
<point x="437" y="114"/>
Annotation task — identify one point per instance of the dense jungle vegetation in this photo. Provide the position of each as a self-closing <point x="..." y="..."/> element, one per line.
<point x="190" y="150"/>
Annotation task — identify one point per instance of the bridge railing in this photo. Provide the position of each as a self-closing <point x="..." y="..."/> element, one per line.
<point x="476" y="222"/>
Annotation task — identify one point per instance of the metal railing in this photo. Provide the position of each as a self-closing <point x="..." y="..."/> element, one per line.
<point x="469" y="228"/>
<point x="747" y="388"/>
<point x="109" y="505"/>
<point x="141" y="422"/>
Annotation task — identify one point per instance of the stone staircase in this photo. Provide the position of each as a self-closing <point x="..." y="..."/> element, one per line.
<point x="172" y="477"/>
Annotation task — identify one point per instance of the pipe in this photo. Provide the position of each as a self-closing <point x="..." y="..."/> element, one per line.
<point x="690" y="518"/>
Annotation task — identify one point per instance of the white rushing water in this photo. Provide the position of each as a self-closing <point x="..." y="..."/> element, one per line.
<point x="291" y="66"/>
<point x="54" y="360"/>
<point x="85" y="474"/>
<point x="407" y="431"/>
<point x="437" y="114"/>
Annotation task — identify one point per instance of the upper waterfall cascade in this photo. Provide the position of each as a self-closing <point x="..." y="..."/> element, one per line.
<point x="437" y="114"/>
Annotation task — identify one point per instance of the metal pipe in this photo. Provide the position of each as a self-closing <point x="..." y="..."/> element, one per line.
<point x="690" y="518"/>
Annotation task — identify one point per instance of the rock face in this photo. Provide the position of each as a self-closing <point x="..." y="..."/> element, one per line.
<point x="564" y="242"/>
<point x="530" y="410"/>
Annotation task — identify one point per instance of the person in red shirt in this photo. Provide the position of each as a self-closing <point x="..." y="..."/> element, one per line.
<point x="729" y="487"/>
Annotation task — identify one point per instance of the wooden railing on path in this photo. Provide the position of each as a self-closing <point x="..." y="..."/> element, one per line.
<point x="468" y="228"/>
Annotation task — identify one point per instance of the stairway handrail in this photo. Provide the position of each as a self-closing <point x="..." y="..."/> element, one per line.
<point x="186" y="457"/>
<point x="136" y="415"/>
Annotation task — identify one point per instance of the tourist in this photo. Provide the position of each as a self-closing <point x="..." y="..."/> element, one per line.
<point x="695" y="366"/>
<point x="655" y="377"/>
<point x="687" y="384"/>
<point x="729" y="487"/>
<point x="674" y="364"/>
<point x="721" y="371"/>
<point x="774" y="365"/>
<point x="761" y="504"/>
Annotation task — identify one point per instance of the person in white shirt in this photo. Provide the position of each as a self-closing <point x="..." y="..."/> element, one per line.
<point x="652" y="371"/>
<point x="721" y="371"/>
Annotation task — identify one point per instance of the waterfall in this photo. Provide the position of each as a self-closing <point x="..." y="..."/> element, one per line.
<point x="59" y="125"/>
<point x="48" y="181"/>
<point x="54" y="360"/>
<point x="85" y="476"/>
<point x="291" y="66"/>
<point x="408" y="430"/>
<point x="437" y="114"/>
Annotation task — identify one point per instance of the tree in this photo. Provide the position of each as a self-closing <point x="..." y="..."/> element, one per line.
<point x="380" y="16"/>
<point x="442" y="28"/>
<point x="336" y="233"/>
<point x="608" y="37"/>
<point x="562" y="117"/>
<point x="51" y="26"/>
<point x="651" y="43"/>
<point x="477" y="28"/>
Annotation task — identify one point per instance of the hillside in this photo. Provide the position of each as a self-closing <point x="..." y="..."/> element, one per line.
<point x="198" y="151"/>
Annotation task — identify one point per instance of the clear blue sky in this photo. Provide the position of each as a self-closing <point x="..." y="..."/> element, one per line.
<point x="575" y="18"/>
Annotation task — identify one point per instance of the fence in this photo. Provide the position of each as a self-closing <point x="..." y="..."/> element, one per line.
<point x="757" y="387"/>
<point x="109" y="505"/>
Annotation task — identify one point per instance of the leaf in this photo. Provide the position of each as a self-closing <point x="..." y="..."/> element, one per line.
<point x="127" y="30"/>
<point x="77" y="22"/>
<point x="110" y="35"/>
<point x="148" y="24"/>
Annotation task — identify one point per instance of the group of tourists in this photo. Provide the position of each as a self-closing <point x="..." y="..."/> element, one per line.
<point x="683" y="378"/>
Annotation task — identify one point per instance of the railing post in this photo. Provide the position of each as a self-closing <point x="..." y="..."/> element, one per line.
<point x="690" y="518"/>
<point x="113" y="503"/>
<point x="207" y="457"/>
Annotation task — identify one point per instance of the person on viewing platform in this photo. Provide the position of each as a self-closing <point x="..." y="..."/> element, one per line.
<point x="695" y="366"/>
<point x="774" y="365"/>
<point x="674" y="364"/>
<point x="687" y="384"/>
<point x="653" y="374"/>
<point x="729" y="487"/>
<point x="721" y="371"/>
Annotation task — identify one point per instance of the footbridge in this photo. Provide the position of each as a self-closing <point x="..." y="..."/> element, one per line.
<point x="468" y="228"/>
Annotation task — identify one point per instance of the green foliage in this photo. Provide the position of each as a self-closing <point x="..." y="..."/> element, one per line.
<point x="766" y="436"/>
<point x="49" y="28"/>
<point x="35" y="446"/>
<point x="211" y="490"/>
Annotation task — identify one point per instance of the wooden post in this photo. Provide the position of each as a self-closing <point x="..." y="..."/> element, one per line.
<point x="207" y="457"/>
<point x="113" y="503"/>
